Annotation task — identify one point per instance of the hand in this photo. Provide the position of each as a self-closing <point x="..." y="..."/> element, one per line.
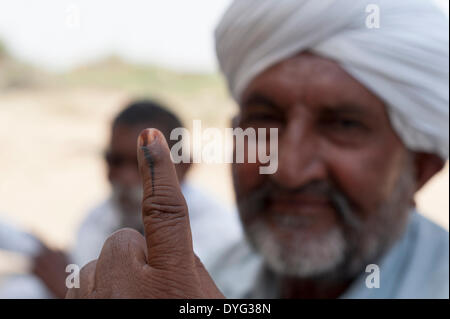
<point x="163" y="264"/>
<point x="50" y="267"/>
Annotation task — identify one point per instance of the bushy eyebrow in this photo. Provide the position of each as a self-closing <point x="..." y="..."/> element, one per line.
<point x="259" y="99"/>
<point x="346" y="109"/>
<point x="338" y="109"/>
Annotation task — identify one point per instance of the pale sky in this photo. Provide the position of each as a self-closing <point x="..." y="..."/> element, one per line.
<point x="60" y="34"/>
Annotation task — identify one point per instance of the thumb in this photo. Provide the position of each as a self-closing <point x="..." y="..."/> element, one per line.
<point x="164" y="210"/>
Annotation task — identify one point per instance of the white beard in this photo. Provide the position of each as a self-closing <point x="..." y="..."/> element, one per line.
<point x="303" y="257"/>
<point x="346" y="250"/>
<point x="129" y="209"/>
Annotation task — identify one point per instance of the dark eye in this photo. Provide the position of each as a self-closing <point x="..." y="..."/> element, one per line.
<point x="261" y="117"/>
<point x="114" y="160"/>
<point x="345" y="130"/>
<point x="349" y="124"/>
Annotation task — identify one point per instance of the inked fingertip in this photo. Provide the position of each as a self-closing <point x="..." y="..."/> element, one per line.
<point x="143" y="138"/>
<point x="147" y="136"/>
<point x="153" y="134"/>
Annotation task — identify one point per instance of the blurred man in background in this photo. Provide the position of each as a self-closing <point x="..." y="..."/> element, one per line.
<point x="214" y="225"/>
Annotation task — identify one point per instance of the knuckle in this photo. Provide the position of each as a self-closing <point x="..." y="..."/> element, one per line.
<point x="197" y="260"/>
<point x="88" y="268"/>
<point x="118" y="241"/>
<point x="87" y="279"/>
<point x="165" y="200"/>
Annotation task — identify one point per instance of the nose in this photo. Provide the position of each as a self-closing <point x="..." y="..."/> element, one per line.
<point x="300" y="156"/>
<point x="129" y="175"/>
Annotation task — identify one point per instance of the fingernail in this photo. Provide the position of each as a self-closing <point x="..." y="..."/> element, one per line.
<point x="147" y="136"/>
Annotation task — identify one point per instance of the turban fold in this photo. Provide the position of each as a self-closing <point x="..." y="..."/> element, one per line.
<point x="405" y="61"/>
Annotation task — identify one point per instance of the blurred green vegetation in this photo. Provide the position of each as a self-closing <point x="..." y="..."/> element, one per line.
<point x="3" y="52"/>
<point x="192" y="95"/>
<point x="112" y="72"/>
<point x="15" y="74"/>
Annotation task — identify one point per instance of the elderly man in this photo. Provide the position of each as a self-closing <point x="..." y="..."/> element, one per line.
<point x="362" y="116"/>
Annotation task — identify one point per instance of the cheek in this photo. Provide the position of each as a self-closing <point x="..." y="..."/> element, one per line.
<point x="112" y="174"/>
<point x="367" y="178"/>
<point x="246" y="178"/>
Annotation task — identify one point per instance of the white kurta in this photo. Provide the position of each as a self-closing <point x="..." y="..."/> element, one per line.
<point x="417" y="266"/>
<point x="213" y="227"/>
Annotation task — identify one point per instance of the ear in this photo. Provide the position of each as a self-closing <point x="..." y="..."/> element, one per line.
<point x="235" y="121"/>
<point x="108" y="167"/>
<point x="426" y="166"/>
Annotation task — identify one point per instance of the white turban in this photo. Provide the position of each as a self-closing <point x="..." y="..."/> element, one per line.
<point x="405" y="61"/>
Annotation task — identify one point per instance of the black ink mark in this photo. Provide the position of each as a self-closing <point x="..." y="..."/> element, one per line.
<point x="151" y="165"/>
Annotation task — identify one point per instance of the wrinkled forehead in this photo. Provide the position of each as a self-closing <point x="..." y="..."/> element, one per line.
<point x="311" y="80"/>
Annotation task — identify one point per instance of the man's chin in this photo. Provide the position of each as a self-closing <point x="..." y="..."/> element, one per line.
<point x="298" y="251"/>
<point x="129" y="216"/>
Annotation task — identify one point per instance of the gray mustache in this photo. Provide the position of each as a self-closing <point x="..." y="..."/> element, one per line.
<point x="256" y="201"/>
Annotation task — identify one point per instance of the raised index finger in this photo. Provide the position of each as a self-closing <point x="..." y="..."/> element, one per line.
<point x="164" y="210"/>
